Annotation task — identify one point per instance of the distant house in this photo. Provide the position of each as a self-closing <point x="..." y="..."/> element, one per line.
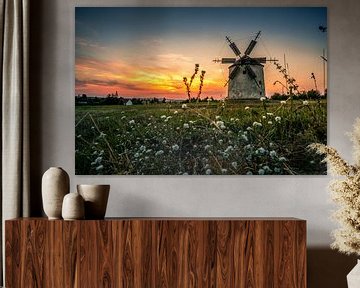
<point x="129" y="103"/>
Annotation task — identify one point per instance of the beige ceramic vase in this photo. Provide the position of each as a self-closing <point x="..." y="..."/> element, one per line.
<point x="96" y="198"/>
<point x="73" y="207"/>
<point x="55" y="185"/>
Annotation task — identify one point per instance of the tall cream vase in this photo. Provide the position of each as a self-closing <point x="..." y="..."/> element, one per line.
<point x="55" y="185"/>
<point x="353" y="278"/>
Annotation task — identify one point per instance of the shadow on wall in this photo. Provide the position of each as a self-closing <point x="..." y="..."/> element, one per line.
<point x="328" y="268"/>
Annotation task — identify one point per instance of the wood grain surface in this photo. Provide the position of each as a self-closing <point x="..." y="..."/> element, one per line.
<point x="156" y="253"/>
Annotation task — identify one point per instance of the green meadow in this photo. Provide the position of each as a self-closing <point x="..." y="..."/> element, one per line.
<point x="216" y="137"/>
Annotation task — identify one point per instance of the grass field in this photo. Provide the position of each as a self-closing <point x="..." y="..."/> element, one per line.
<point x="218" y="137"/>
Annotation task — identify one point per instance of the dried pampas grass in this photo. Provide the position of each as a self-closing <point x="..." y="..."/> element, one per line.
<point x="345" y="191"/>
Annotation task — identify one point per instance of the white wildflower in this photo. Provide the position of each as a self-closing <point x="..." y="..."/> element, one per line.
<point x="264" y="117"/>
<point x="305" y="103"/>
<point x="220" y="124"/>
<point x="257" y="124"/>
<point x="283" y="102"/>
<point x="184" y="106"/>
<point x="207" y="147"/>
<point x="208" y="172"/>
<point x="282" y="159"/>
<point x="244" y="137"/>
<point x="277" y="118"/>
<point x="175" y="147"/>
<point x="100" y="167"/>
<point x="272" y="153"/>
<point x="261" y="171"/>
<point x="176" y="112"/>
<point x="97" y="161"/>
<point x="266" y="168"/>
<point x="262" y="99"/>
<point x="217" y="117"/>
<point x="163" y="116"/>
<point x="229" y="149"/>
<point x="261" y="150"/>
<point x="270" y="122"/>
<point x="186" y="126"/>
<point x="132" y="122"/>
<point x="270" y="114"/>
<point x="247" y="108"/>
<point x="160" y="152"/>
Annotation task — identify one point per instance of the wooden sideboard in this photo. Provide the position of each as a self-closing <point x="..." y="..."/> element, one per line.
<point x="156" y="252"/>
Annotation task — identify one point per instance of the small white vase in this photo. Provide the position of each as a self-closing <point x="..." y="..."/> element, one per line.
<point x="73" y="207"/>
<point x="353" y="278"/>
<point x="96" y="198"/>
<point x="55" y="185"/>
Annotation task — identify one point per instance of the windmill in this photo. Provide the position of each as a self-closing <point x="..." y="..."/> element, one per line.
<point x="246" y="74"/>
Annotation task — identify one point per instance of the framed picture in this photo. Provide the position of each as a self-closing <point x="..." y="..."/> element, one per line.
<point x="200" y="91"/>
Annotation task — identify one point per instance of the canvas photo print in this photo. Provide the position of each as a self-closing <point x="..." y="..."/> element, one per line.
<point x="200" y="91"/>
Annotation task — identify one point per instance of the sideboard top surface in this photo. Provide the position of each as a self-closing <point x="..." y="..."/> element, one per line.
<point x="175" y="219"/>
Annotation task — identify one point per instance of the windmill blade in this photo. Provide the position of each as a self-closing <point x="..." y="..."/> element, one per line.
<point x="234" y="72"/>
<point x="228" y="60"/>
<point x="261" y="60"/>
<point x="233" y="46"/>
<point x="252" y="75"/>
<point x="250" y="72"/>
<point x="252" y="45"/>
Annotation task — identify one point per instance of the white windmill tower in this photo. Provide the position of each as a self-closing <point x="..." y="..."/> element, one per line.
<point x="246" y="74"/>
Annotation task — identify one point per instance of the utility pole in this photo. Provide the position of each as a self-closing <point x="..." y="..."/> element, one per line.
<point x="324" y="71"/>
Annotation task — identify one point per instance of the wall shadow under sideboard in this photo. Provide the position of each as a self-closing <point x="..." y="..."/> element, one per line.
<point x="328" y="268"/>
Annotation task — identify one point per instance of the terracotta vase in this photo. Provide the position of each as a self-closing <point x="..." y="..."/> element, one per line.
<point x="353" y="278"/>
<point x="96" y="198"/>
<point x="73" y="207"/>
<point x="55" y="185"/>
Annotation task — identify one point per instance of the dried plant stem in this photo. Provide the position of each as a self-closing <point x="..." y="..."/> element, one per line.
<point x="345" y="191"/>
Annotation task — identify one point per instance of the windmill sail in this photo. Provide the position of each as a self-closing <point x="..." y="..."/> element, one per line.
<point x="250" y="72"/>
<point x="252" y="45"/>
<point x="234" y="72"/>
<point x="228" y="60"/>
<point x="260" y="59"/>
<point x="233" y="47"/>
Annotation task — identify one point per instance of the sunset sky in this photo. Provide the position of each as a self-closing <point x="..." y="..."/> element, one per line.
<point x="146" y="52"/>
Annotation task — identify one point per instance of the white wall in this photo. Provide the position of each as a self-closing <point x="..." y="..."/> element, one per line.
<point x="305" y="197"/>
